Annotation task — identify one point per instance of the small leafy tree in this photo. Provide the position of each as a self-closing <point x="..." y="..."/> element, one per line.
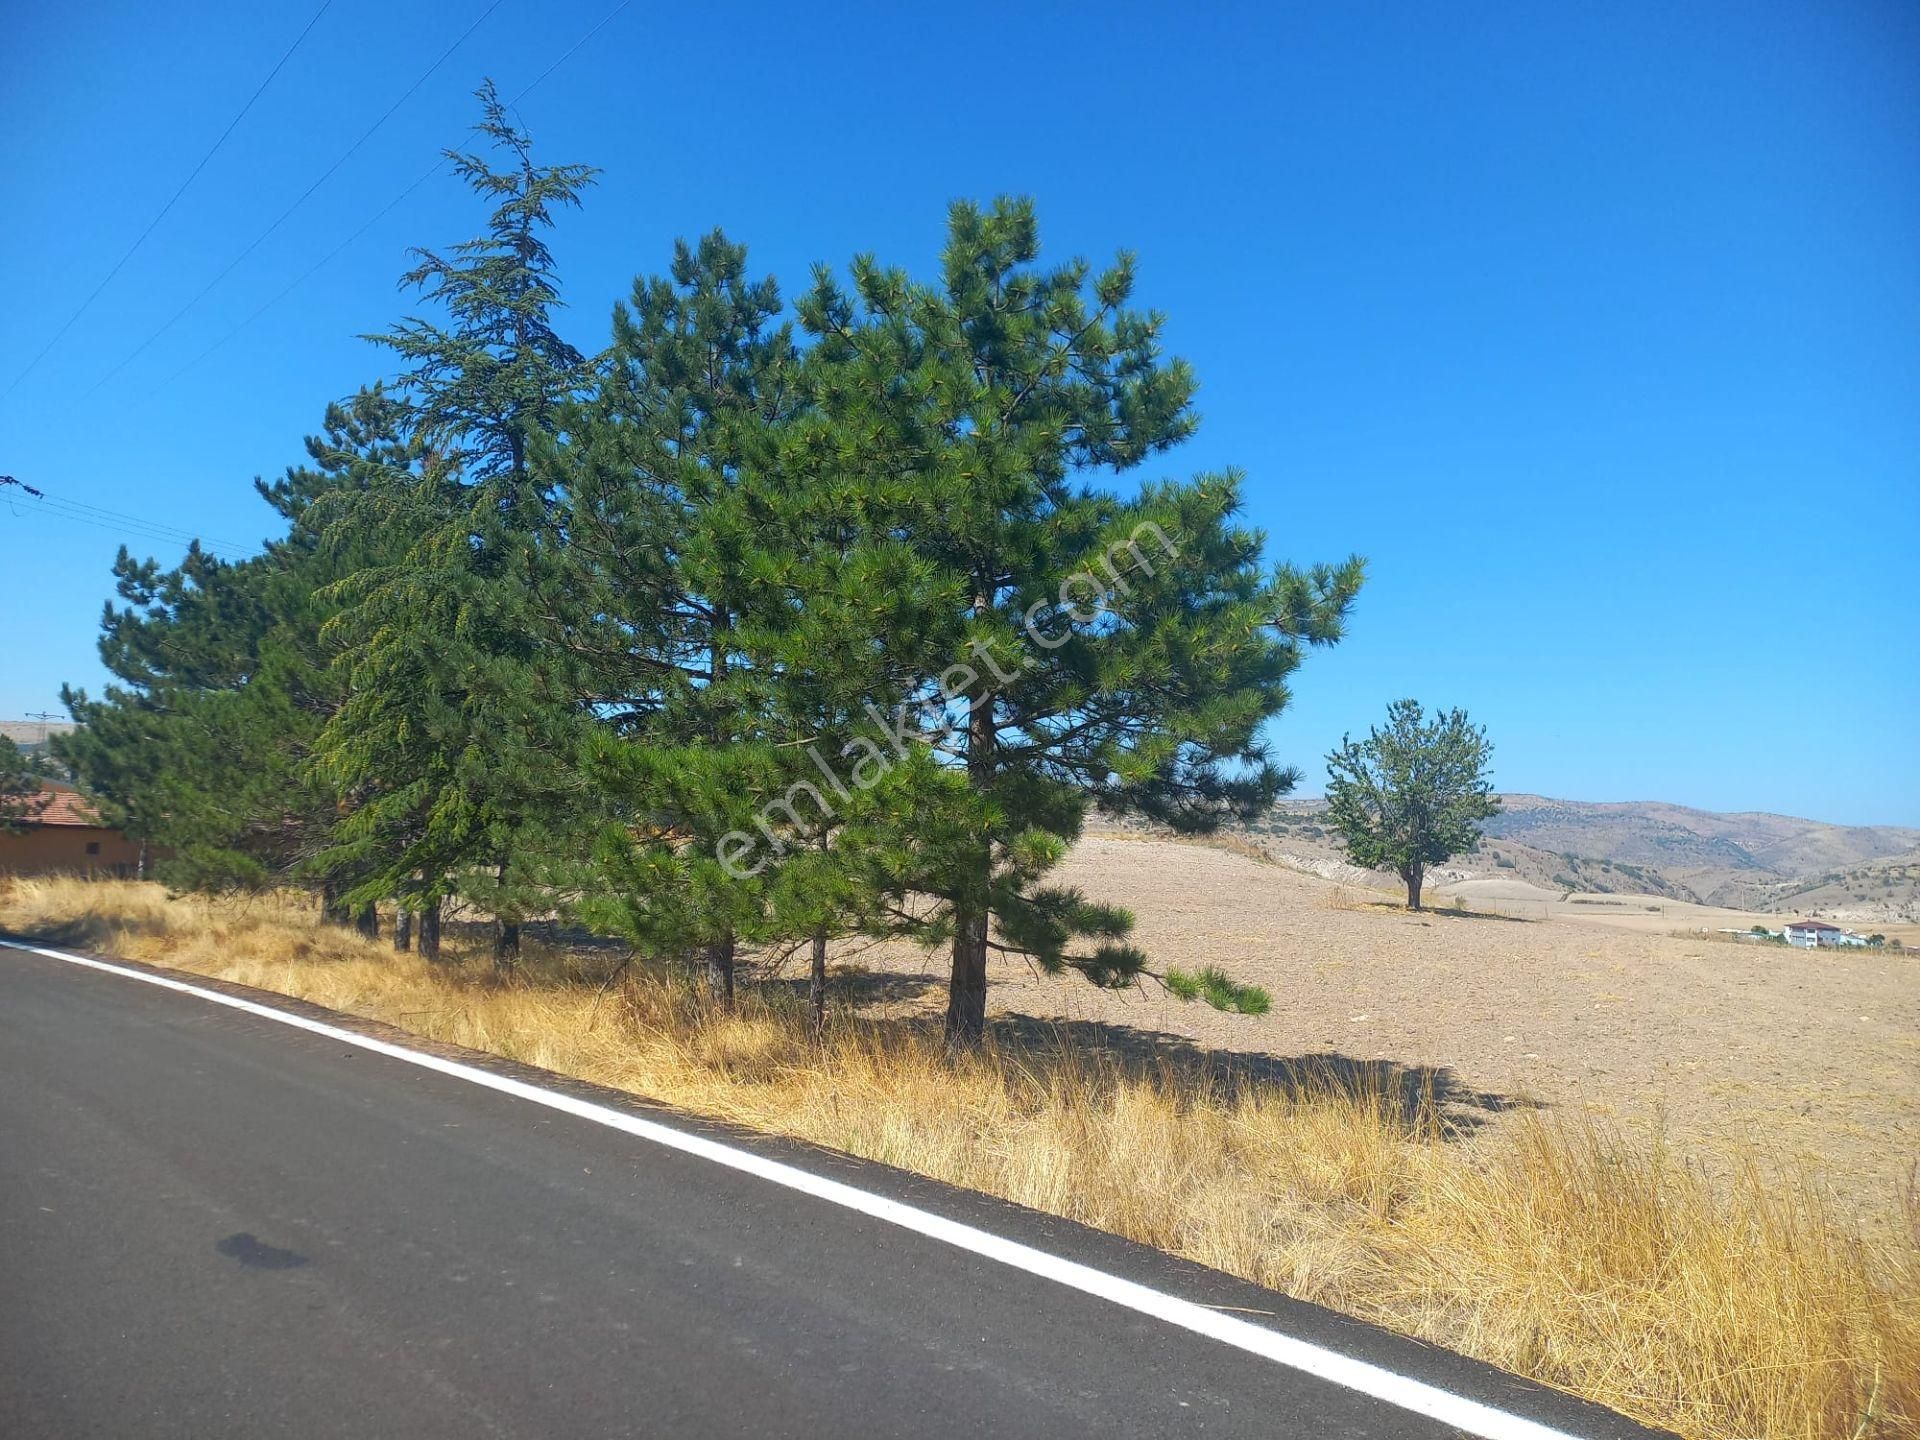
<point x="1410" y="796"/>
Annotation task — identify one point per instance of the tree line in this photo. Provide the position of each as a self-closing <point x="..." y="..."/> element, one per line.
<point x="767" y="624"/>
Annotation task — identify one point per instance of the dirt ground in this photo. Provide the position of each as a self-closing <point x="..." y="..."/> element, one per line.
<point x="1811" y="1057"/>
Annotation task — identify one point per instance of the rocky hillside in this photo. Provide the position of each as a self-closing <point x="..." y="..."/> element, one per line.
<point x="1296" y="834"/>
<point x="1885" y="889"/>
<point x="1673" y="836"/>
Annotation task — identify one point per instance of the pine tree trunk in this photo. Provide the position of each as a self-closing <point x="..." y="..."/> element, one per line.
<point x="332" y="912"/>
<point x="1415" y="878"/>
<point x="720" y="954"/>
<point x="720" y="970"/>
<point x="430" y="932"/>
<point x="506" y="933"/>
<point x="817" y="983"/>
<point x="403" y="930"/>
<point x="367" y="922"/>
<point x="967" y="985"/>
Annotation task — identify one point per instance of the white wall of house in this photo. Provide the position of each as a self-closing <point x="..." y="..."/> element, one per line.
<point x="1807" y="937"/>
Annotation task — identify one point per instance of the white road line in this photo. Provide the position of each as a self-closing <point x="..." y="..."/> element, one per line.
<point x="1330" y="1365"/>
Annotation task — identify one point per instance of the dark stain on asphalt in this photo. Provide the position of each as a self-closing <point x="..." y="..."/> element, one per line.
<point x="256" y="1256"/>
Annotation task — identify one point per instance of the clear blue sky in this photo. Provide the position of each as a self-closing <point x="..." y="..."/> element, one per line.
<point x="1596" y="328"/>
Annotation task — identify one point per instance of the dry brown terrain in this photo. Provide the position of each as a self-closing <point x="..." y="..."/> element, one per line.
<point x="1813" y="1057"/>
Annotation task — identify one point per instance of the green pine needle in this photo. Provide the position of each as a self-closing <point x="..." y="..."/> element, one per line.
<point x="1218" y="989"/>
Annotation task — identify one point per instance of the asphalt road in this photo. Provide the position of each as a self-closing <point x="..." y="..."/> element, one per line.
<point x="214" y="1225"/>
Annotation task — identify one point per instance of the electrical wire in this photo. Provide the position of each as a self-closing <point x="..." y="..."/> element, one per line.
<point x="55" y="507"/>
<point x="125" y="532"/>
<point x="306" y="194"/>
<point x="172" y="200"/>
<point x="381" y="214"/>
<point x="81" y="510"/>
<point x="126" y="529"/>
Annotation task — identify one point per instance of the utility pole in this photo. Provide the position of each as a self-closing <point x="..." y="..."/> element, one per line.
<point x="43" y="716"/>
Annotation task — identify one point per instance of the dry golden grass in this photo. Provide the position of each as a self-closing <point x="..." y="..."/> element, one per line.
<point x="1553" y="1248"/>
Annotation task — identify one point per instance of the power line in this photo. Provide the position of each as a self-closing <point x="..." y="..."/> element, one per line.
<point x="300" y="279"/>
<point x="382" y="213"/>
<point x="171" y="201"/>
<point x="131" y="535"/>
<point x="105" y="514"/>
<point x="128" y="530"/>
<point x="285" y="214"/>
<point x="80" y="511"/>
<point x="54" y="507"/>
<point x="567" y="54"/>
<point x="123" y="530"/>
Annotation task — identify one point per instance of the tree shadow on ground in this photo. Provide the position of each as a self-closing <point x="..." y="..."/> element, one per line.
<point x="474" y="935"/>
<point x="857" y="990"/>
<point x="1412" y="1093"/>
<point x="552" y="955"/>
<point x="1432" y="1098"/>
<point x="1431" y="913"/>
<point x="90" y="932"/>
<point x="1424" y="1098"/>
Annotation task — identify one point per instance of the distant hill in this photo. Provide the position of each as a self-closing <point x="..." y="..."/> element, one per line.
<point x="1751" y="860"/>
<point x="33" y="736"/>
<point x="1650" y="832"/>
<point x="1739" y="859"/>
<point x="1883" y="889"/>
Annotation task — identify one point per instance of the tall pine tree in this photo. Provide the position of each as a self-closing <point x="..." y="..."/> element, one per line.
<point x="224" y="681"/>
<point x="496" y="371"/>
<point x="1090" y="649"/>
<point x="669" y="554"/>
<point x="461" y="721"/>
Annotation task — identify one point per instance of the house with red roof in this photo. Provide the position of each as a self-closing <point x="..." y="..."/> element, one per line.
<point x="59" y="832"/>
